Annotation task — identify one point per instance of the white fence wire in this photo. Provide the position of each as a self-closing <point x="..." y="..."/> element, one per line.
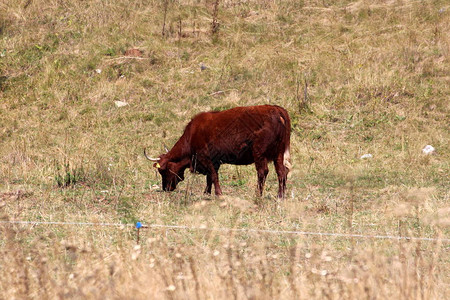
<point x="225" y="229"/>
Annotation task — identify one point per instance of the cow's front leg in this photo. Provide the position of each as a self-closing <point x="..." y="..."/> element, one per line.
<point x="211" y="175"/>
<point x="208" y="184"/>
<point x="215" y="180"/>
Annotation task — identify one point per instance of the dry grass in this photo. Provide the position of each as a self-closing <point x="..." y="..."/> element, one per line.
<point x="378" y="82"/>
<point x="94" y="263"/>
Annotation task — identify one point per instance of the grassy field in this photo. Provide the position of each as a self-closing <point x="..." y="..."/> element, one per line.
<point x="378" y="82"/>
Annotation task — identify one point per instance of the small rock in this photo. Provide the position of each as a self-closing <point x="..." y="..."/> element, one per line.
<point x="120" y="103"/>
<point x="366" y="156"/>
<point x="98" y="71"/>
<point x="252" y="13"/>
<point x="428" y="149"/>
<point x="134" y="52"/>
<point x="171" y="288"/>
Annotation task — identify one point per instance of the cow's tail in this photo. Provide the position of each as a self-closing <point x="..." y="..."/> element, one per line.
<point x="287" y="158"/>
<point x="287" y="139"/>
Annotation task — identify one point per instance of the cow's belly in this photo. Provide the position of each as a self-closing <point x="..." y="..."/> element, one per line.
<point x="242" y="157"/>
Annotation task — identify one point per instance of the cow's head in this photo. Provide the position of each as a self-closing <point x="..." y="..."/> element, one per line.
<point x="171" y="172"/>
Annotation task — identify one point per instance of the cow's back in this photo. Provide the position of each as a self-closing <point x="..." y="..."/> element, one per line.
<point x="232" y="134"/>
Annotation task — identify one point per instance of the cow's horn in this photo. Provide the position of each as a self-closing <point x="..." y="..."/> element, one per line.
<point x="150" y="158"/>
<point x="165" y="148"/>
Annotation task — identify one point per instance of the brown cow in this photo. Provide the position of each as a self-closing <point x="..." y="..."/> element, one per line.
<point x="238" y="136"/>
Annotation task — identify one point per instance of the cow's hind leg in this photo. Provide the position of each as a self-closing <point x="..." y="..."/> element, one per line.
<point x="262" y="170"/>
<point x="282" y="172"/>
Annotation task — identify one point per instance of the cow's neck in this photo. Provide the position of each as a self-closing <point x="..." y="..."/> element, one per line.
<point x="179" y="152"/>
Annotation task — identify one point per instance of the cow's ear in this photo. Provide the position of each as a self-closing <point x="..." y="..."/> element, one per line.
<point x="156" y="165"/>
